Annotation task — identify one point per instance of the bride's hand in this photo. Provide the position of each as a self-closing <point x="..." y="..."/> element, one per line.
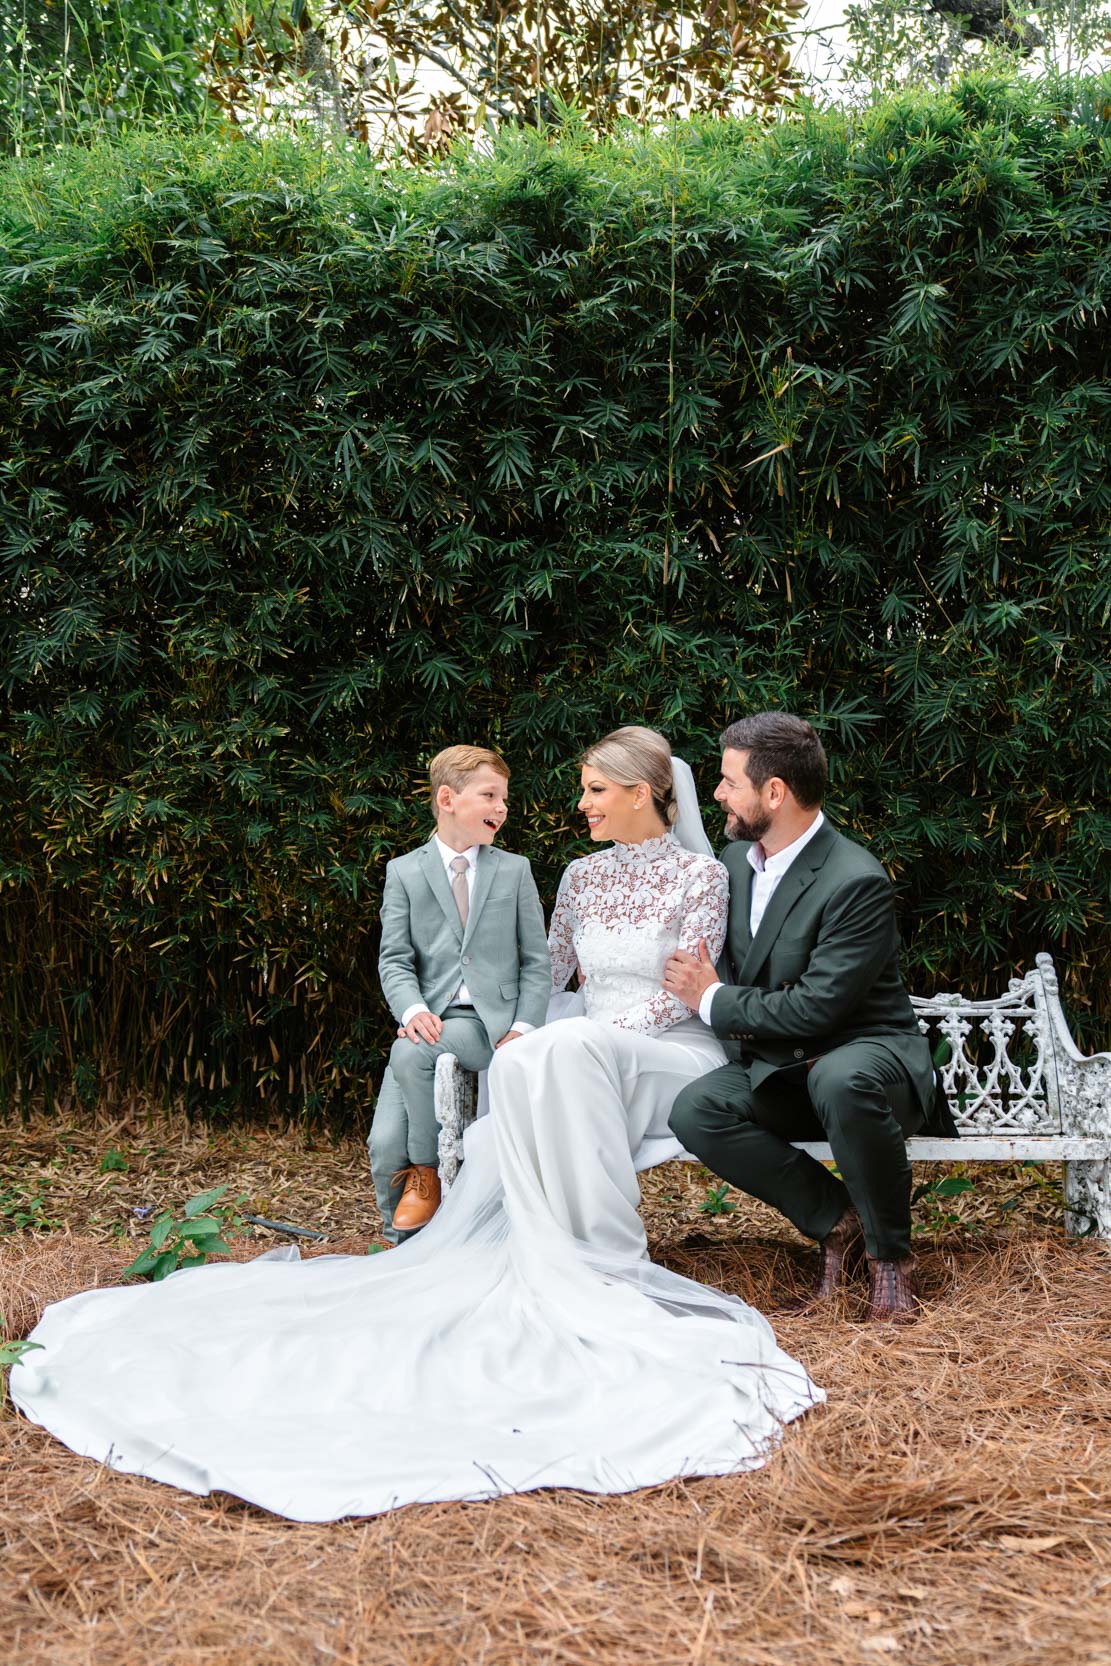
<point x="688" y="976"/>
<point x="511" y="1035"/>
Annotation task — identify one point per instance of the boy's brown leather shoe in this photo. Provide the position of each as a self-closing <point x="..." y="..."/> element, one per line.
<point x="420" y="1199"/>
<point x="892" y="1292"/>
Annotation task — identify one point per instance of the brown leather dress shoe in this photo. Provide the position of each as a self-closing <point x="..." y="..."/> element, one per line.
<point x="420" y="1199"/>
<point x="840" y="1253"/>
<point x="892" y="1292"/>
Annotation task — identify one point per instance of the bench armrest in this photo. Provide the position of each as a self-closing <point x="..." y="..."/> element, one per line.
<point x="1083" y="1080"/>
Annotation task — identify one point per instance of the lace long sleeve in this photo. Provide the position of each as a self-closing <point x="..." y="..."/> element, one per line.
<point x="561" y="932"/>
<point x="704" y="914"/>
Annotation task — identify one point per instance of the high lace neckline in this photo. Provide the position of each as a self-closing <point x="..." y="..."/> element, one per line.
<point x="648" y="850"/>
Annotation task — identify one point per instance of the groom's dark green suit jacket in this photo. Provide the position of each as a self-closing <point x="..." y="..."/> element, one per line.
<point x="822" y="969"/>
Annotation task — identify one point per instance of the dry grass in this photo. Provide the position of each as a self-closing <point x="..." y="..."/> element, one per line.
<point x="951" y="1504"/>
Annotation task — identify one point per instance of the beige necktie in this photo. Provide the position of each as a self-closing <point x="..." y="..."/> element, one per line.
<point x="459" y="866"/>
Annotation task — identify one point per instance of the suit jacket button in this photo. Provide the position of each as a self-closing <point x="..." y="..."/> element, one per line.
<point x="467" y="962"/>
<point x="800" y="1052"/>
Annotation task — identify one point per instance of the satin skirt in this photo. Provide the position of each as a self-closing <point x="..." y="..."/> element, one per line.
<point x="522" y="1340"/>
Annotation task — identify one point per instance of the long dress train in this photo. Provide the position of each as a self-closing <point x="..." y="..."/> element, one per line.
<point x="522" y="1340"/>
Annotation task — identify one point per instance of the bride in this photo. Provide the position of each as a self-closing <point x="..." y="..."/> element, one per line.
<point x="523" y="1339"/>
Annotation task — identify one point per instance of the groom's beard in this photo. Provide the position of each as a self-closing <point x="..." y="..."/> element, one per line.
<point x="753" y="830"/>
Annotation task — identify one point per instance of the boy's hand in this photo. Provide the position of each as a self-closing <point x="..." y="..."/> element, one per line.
<point x="511" y="1035"/>
<point x="423" y="1026"/>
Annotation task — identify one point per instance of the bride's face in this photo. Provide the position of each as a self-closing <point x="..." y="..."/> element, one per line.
<point x="612" y="811"/>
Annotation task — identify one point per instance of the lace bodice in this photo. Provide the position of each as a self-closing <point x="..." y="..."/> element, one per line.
<point x="620" y="912"/>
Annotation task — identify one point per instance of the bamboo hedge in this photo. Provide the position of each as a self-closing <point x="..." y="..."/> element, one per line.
<point x="307" y="469"/>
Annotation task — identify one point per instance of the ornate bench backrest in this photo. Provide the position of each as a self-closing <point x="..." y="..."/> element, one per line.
<point x="996" y="1060"/>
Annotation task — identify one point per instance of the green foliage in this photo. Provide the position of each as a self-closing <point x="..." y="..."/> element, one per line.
<point x="202" y="1230"/>
<point x="951" y="1185"/>
<point x="716" y="1202"/>
<point x="400" y="76"/>
<point x="934" y="1194"/>
<point x="1038" y="1180"/>
<point x="412" y="75"/>
<point x="899" y="43"/>
<point x="940" y="1212"/>
<point x="81" y="69"/>
<point x="10" y="1354"/>
<point x="23" y="1211"/>
<point x="307" y="470"/>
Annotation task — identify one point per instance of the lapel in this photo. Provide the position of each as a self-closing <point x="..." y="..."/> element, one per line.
<point x="485" y="865"/>
<point x="795" y="881"/>
<point x="740" y="894"/>
<point x="436" y="875"/>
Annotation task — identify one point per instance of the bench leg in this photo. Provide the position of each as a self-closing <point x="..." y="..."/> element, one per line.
<point x="454" y="1099"/>
<point x="1088" y="1199"/>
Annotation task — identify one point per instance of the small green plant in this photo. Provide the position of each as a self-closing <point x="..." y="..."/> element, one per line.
<point x="113" y="1162"/>
<point x="10" y="1354"/>
<point x="202" y="1230"/>
<point x="716" y="1203"/>
<point x="953" y="1185"/>
<point x="933" y="1192"/>
<point x="22" y="1211"/>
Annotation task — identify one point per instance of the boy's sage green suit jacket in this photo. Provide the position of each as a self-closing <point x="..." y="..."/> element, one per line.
<point x="822" y="969"/>
<point x="502" y="956"/>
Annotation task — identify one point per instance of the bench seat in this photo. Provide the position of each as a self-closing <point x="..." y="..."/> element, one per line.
<point x="1019" y="1088"/>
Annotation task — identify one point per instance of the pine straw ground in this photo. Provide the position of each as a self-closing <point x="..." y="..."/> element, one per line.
<point x="950" y="1505"/>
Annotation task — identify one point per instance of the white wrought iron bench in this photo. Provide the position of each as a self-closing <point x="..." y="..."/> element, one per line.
<point x="1018" y="1086"/>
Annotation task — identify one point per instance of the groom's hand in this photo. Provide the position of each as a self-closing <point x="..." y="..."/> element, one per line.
<point x="688" y="976"/>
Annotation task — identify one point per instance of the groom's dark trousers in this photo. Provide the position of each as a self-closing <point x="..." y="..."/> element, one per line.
<point x="823" y="1045"/>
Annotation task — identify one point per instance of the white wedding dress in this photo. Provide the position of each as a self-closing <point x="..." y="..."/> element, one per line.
<point x="522" y="1340"/>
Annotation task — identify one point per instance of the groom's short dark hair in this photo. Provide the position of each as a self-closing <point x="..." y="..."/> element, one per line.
<point x="782" y="745"/>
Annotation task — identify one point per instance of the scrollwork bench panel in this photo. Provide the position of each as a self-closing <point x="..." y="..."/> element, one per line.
<point x="1019" y="1087"/>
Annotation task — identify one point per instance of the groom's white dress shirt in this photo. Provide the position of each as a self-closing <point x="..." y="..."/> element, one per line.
<point x="768" y="870"/>
<point x="462" y="996"/>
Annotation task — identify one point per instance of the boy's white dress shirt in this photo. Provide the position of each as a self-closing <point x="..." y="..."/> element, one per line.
<point x="461" y="997"/>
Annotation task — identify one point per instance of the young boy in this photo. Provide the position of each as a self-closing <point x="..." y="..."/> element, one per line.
<point x="464" y="968"/>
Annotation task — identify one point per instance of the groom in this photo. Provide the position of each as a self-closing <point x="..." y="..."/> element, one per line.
<point x="820" y="1033"/>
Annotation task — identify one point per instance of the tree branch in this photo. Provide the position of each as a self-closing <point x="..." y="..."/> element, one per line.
<point x="449" y="68"/>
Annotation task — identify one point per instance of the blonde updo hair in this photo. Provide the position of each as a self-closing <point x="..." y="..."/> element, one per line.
<point x="634" y="754"/>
